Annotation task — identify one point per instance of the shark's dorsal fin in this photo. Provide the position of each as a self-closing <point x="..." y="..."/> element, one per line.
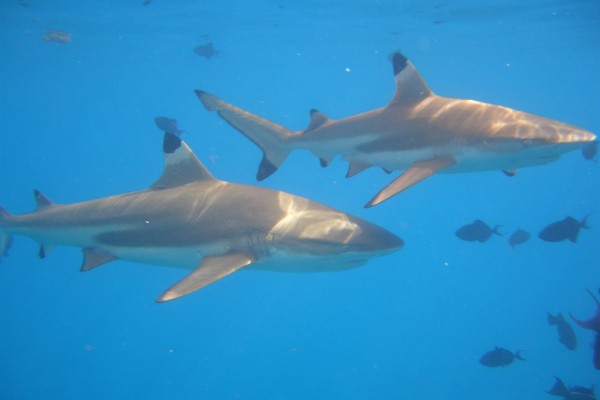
<point x="317" y="119"/>
<point x="210" y="270"/>
<point x="356" y="167"/>
<point x="181" y="165"/>
<point x="414" y="174"/>
<point x="93" y="258"/>
<point x="41" y="201"/>
<point x="410" y="87"/>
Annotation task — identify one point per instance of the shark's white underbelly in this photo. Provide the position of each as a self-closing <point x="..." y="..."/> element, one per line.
<point x="467" y="159"/>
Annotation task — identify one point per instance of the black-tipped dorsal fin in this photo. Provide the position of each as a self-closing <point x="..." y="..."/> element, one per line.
<point x="410" y="87"/>
<point x="317" y="119"/>
<point x="41" y="201"/>
<point x="181" y="165"/>
<point x="93" y="258"/>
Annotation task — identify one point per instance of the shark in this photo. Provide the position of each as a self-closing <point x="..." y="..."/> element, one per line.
<point x="417" y="132"/>
<point x="189" y="219"/>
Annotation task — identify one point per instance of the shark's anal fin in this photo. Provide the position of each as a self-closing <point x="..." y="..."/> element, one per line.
<point x="414" y="174"/>
<point x="356" y="167"/>
<point x="93" y="258"/>
<point x="210" y="270"/>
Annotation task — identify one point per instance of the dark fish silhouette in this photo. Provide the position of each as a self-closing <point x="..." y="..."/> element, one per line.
<point x="592" y="324"/>
<point x="478" y="231"/>
<point x="500" y="357"/>
<point x="167" y="125"/>
<point x="566" y="334"/>
<point x="518" y="237"/>
<point x="567" y="229"/>
<point x="206" y="50"/>
<point x="572" y="393"/>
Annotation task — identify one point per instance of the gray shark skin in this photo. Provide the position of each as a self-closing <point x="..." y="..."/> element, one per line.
<point x="418" y="132"/>
<point x="189" y="219"/>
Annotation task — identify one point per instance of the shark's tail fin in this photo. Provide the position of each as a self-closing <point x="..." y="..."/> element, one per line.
<point x="269" y="136"/>
<point x="5" y="238"/>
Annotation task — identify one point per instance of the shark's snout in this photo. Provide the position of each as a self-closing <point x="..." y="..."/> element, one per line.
<point x="373" y="239"/>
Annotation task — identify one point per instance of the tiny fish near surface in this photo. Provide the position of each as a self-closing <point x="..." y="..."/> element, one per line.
<point x="519" y="236"/>
<point x="477" y="231"/>
<point x="566" y="334"/>
<point x="500" y="357"/>
<point x="567" y="229"/>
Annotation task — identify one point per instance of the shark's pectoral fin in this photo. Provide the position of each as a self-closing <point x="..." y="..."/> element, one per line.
<point x="210" y="270"/>
<point x="414" y="174"/>
<point x="93" y="258"/>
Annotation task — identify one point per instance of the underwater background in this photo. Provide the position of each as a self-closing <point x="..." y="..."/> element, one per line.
<point x="77" y="122"/>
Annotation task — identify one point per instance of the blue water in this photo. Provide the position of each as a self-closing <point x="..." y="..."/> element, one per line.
<point x="76" y="122"/>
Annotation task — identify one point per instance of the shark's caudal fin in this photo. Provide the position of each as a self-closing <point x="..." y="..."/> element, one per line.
<point x="269" y="136"/>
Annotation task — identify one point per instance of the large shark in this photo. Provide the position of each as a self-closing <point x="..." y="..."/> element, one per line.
<point x="189" y="219"/>
<point x="418" y="132"/>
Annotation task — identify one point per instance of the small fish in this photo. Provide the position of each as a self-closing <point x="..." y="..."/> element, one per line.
<point x="500" y="357"/>
<point x="57" y="36"/>
<point x="566" y="334"/>
<point x="592" y="324"/>
<point x="478" y="231"/>
<point x="567" y="229"/>
<point x="573" y="393"/>
<point x="167" y="125"/>
<point x="206" y="50"/>
<point x="519" y="236"/>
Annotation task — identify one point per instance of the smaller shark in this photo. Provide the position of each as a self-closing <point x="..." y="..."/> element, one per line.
<point x="418" y="132"/>
<point x="191" y="220"/>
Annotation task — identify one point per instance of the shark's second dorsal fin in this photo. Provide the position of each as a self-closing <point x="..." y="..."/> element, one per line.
<point x="41" y="201"/>
<point x="410" y="87"/>
<point x="317" y="119"/>
<point x="181" y="165"/>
